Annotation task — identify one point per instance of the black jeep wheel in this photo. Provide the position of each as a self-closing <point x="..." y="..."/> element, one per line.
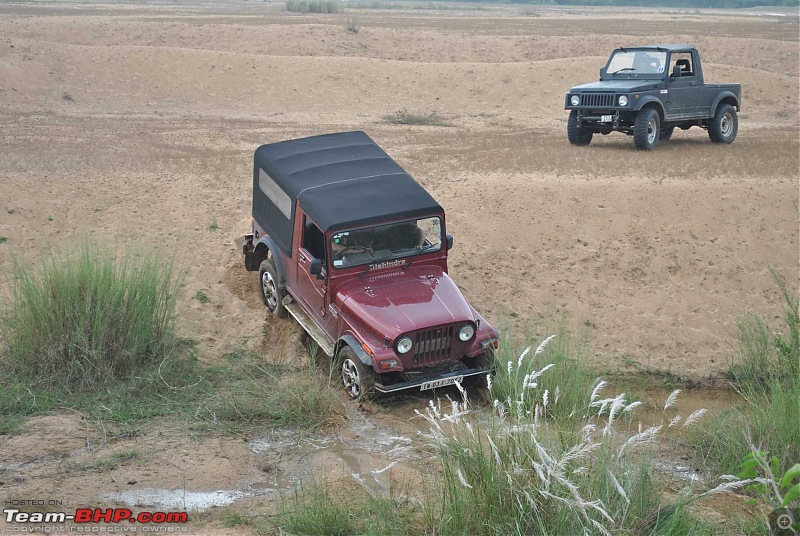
<point x="357" y="379"/>
<point x="575" y="134"/>
<point x="646" y="129"/>
<point x="724" y="125"/>
<point x="272" y="292"/>
<point x="666" y="133"/>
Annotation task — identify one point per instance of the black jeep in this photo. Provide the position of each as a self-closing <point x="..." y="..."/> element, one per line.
<point x="648" y="91"/>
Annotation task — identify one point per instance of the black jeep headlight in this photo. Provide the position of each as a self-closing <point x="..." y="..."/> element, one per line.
<point x="466" y="332"/>
<point x="575" y="100"/>
<point x="404" y="345"/>
<point x="623" y="100"/>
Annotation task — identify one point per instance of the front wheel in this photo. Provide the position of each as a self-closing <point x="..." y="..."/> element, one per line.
<point x="357" y="379"/>
<point x="272" y="293"/>
<point x="576" y="134"/>
<point x="646" y="129"/>
<point x="724" y="125"/>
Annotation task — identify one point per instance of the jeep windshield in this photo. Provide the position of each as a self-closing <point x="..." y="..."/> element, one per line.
<point x="637" y="62"/>
<point x="386" y="243"/>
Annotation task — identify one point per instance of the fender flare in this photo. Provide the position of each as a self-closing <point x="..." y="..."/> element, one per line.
<point x="645" y="101"/>
<point x="267" y="242"/>
<point x="719" y="98"/>
<point x="354" y="345"/>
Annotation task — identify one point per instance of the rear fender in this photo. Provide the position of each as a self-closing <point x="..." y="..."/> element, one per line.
<point x="266" y="244"/>
<point x="726" y="96"/>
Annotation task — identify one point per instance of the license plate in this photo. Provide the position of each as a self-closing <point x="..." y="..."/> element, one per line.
<point x="441" y="383"/>
<point x="606" y="118"/>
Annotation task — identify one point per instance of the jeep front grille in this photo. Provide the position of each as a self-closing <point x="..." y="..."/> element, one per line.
<point x="597" y="100"/>
<point x="433" y="345"/>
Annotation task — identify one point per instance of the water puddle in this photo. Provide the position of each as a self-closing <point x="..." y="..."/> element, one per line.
<point x="364" y="449"/>
<point x="178" y="499"/>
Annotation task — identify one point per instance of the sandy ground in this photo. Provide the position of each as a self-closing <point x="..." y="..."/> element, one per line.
<point x="137" y="122"/>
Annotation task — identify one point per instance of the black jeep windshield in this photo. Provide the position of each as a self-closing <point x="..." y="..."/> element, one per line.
<point x="637" y="62"/>
<point x="386" y="243"/>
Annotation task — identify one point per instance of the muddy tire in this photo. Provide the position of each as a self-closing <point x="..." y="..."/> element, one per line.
<point x="271" y="287"/>
<point x="357" y="379"/>
<point x="666" y="133"/>
<point x="646" y="129"/>
<point x="724" y="125"/>
<point x="575" y="134"/>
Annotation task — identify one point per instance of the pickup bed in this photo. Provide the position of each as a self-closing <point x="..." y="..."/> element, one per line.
<point x="649" y="91"/>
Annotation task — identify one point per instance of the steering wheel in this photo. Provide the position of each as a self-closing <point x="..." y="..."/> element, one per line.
<point x="339" y="254"/>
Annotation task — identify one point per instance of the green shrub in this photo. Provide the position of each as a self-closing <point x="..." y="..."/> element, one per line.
<point x="767" y="375"/>
<point x="90" y="316"/>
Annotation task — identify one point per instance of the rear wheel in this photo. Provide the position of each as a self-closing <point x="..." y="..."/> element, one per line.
<point x="646" y="129"/>
<point x="575" y="134"/>
<point x="666" y="133"/>
<point x="272" y="293"/>
<point x="724" y="125"/>
<point x="357" y="379"/>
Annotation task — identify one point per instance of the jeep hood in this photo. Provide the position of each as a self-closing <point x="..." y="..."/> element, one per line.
<point x="389" y="304"/>
<point x="618" y="86"/>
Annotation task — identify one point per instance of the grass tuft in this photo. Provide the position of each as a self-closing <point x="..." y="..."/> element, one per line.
<point x="314" y="6"/>
<point x="404" y="117"/>
<point x="569" y="382"/>
<point x="89" y="317"/>
<point x="318" y="511"/>
<point x="231" y="518"/>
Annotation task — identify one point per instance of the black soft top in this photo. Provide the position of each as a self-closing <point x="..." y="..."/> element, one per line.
<point x="342" y="180"/>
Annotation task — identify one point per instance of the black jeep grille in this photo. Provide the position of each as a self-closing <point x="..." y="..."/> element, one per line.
<point x="433" y="345"/>
<point x="597" y="100"/>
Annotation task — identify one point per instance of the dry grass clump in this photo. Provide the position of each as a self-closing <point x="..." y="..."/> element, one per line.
<point x="404" y="117"/>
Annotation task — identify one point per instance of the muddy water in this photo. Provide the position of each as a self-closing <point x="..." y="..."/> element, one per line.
<point x="369" y="445"/>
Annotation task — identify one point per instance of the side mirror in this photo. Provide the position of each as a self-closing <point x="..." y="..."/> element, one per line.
<point x="315" y="268"/>
<point x="676" y="71"/>
<point x="602" y="72"/>
<point x="448" y="239"/>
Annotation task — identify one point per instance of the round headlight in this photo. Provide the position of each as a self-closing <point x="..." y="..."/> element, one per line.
<point x="623" y="100"/>
<point x="404" y="345"/>
<point x="575" y="100"/>
<point x="466" y="333"/>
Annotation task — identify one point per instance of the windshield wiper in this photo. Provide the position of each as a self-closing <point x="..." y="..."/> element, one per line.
<point x="623" y="69"/>
<point x="375" y="263"/>
<point x="422" y="250"/>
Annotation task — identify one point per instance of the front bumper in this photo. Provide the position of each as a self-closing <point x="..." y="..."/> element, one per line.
<point x="423" y="381"/>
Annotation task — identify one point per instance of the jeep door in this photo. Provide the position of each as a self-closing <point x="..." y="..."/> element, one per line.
<point x="681" y="102"/>
<point x="311" y="288"/>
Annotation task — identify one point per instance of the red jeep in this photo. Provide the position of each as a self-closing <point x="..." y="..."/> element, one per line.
<point x="355" y="249"/>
